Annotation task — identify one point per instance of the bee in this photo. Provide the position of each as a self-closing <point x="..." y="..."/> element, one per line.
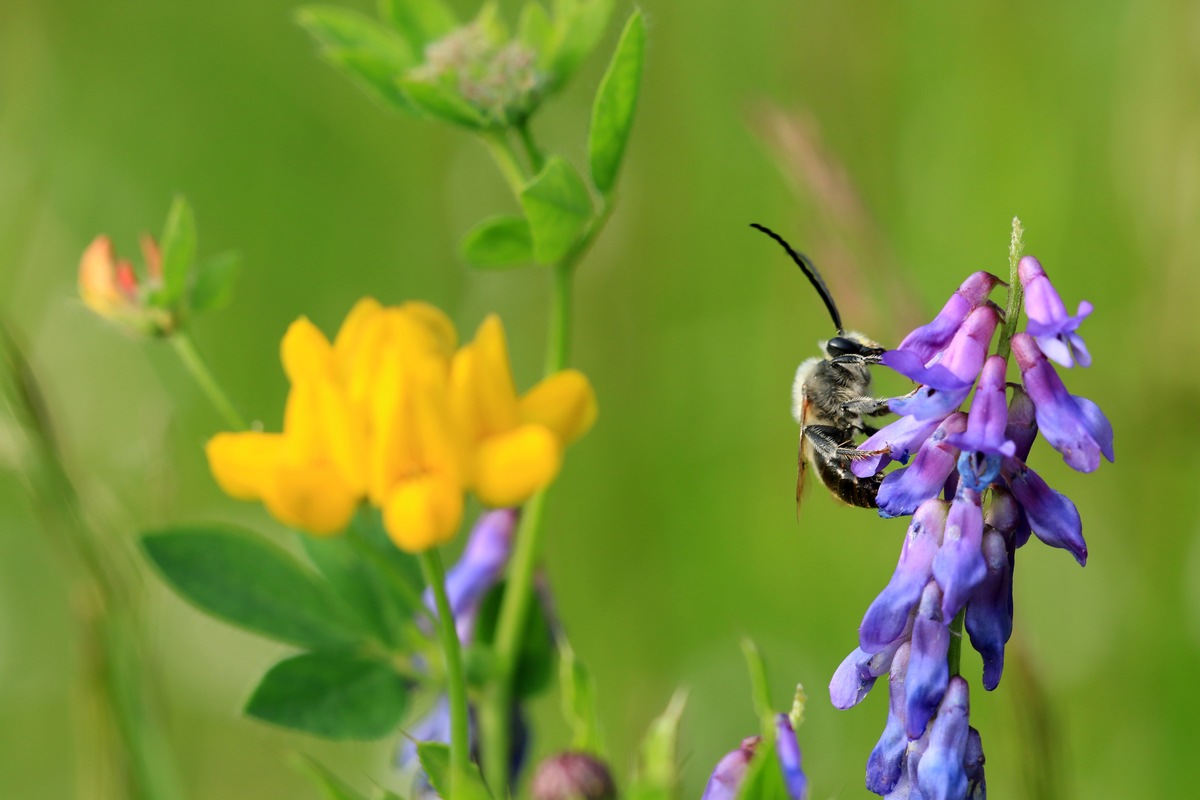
<point x="830" y="398"/>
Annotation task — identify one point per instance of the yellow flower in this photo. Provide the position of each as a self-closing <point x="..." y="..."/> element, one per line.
<point x="391" y="413"/>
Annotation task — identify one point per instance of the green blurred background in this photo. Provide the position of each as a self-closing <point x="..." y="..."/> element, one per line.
<point x="892" y="141"/>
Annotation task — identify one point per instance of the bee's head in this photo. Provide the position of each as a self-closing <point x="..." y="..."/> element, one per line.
<point x="851" y="344"/>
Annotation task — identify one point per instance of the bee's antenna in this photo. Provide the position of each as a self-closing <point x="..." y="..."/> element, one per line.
<point x="809" y="269"/>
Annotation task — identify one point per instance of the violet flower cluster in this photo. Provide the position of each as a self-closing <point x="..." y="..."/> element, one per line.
<point x="974" y="501"/>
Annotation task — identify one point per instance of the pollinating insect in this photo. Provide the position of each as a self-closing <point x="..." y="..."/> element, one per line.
<point x="830" y="398"/>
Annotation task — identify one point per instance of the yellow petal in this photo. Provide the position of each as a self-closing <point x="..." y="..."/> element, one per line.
<point x="350" y="336"/>
<point x="303" y="426"/>
<point x="306" y="353"/>
<point x="484" y="401"/>
<point x="392" y="451"/>
<point x="244" y="464"/>
<point x="511" y="467"/>
<point x="422" y="513"/>
<point x="312" y="498"/>
<point x="564" y="402"/>
<point x="436" y="324"/>
<point x="98" y="277"/>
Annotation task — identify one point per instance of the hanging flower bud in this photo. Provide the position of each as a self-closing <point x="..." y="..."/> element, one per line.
<point x="927" y="668"/>
<point x="959" y="566"/>
<point x="726" y="779"/>
<point x="572" y="776"/>
<point x="886" y="763"/>
<point x="989" y="614"/>
<point x="941" y="774"/>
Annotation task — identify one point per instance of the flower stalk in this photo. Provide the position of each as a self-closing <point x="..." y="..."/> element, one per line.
<point x="189" y="354"/>
<point x="456" y="685"/>
<point x="1012" y="310"/>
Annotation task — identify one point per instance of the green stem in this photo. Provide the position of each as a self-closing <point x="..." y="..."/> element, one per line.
<point x="185" y="347"/>
<point x="558" y="343"/>
<point x="536" y="159"/>
<point x="456" y="684"/>
<point x="954" y="654"/>
<point x="1012" y="312"/>
<point x="506" y="160"/>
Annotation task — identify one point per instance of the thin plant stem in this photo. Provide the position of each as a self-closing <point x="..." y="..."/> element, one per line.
<point x="456" y="685"/>
<point x="185" y="347"/>
<point x="954" y="653"/>
<point x="532" y="151"/>
<point x="1012" y="311"/>
<point x="506" y="160"/>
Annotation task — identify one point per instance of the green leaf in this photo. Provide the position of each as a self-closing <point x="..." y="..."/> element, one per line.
<point x="240" y="578"/>
<point x="616" y="101"/>
<point x="360" y="585"/>
<point x="419" y="21"/>
<point x="557" y="205"/>
<point x="335" y="695"/>
<point x="498" y="243"/>
<point x="439" y="98"/>
<point x="578" y="26"/>
<point x="657" y="775"/>
<point x="369" y="53"/>
<point x="759" y="687"/>
<point x="579" y="701"/>
<point x="435" y="760"/>
<point x="332" y="787"/>
<point x="213" y="286"/>
<point x="178" y="250"/>
<point x="534" y="29"/>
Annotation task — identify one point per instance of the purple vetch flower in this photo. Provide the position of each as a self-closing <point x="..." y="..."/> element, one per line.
<point x="941" y="773"/>
<point x="946" y="383"/>
<point x="479" y="568"/>
<point x="887" y="617"/>
<point x="858" y="672"/>
<point x="726" y="779"/>
<point x="904" y="489"/>
<point x="1021" y="426"/>
<point x="787" y="750"/>
<point x="973" y="766"/>
<point x="1048" y="320"/>
<point x="1074" y="426"/>
<point x="926" y="341"/>
<point x="988" y="417"/>
<point x="989" y="614"/>
<point x="959" y="565"/>
<point x="1052" y="516"/>
<point x="886" y="764"/>
<point x="927" y="667"/>
<point x="898" y="439"/>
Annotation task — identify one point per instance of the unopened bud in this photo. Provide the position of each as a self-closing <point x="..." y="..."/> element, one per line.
<point x="573" y="776"/>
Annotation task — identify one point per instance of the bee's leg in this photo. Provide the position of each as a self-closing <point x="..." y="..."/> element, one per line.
<point x="826" y="439"/>
<point x="868" y="406"/>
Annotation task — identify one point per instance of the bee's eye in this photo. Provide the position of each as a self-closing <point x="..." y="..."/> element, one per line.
<point x="841" y="346"/>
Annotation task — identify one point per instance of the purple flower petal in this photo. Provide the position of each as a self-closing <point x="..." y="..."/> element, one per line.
<point x="1052" y="516"/>
<point x="886" y="763"/>
<point x="959" y="363"/>
<point x="927" y="668"/>
<point x="1097" y="425"/>
<point x="988" y="416"/>
<point x="1049" y="324"/>
<point x="928" y="339"/>
<point x="989" y="616"/>
<point x="941" y="774"/>
<point x="904" y="489"/>
<point x="858" y="673"/>
<point x="887" y="616"/>
<point x="959" y="566"/>
<point x="1066" y="425"/>
<point x="1022" y="422"/>
<point x="479" y="568"/>
<point x="726" y="779"/>
<point x="973" y="766"/>
<point x="787" y="749"/>
<point x="927" y="403"/>
<point x="901" y="438"/>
